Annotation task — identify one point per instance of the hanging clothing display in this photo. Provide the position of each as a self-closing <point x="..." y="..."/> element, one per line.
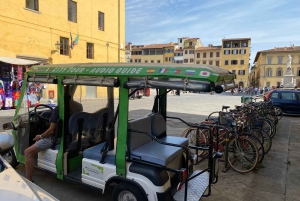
<point x="10" y="90"/>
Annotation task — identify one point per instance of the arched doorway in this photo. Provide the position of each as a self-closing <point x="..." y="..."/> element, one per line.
<point x="241" y="84"/>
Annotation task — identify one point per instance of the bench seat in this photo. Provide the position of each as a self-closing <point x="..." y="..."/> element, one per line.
<point x="156" y="153"/>
<point x="93" y="153"/>
<point x="175" y="140"/>
<point x="158" y="127"/>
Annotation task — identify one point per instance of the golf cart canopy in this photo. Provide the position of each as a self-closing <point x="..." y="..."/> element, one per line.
<point x="202" y="78"/>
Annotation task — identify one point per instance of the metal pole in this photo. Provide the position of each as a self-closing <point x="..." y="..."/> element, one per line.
<point x="110" y="97"/>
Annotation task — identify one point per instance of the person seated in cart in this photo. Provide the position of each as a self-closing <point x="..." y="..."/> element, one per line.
<point x="43" y="141"/>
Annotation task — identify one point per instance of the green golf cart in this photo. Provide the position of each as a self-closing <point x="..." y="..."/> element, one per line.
<point x="101" y="145"/>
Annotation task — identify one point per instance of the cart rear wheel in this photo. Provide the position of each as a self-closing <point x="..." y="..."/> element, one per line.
<point x="127" y="192"/>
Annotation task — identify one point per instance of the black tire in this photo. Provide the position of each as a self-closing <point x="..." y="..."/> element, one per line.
<point x="265" y="139"/>
<point x="260" y="147"/>
<point x="126" y="191"/>
<point x="243" y="154"/>
<point x="278" y="112"/>
<point x="10" y="157"/>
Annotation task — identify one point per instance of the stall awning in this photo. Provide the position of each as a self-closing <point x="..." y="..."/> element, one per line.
<point x="16" y="61"/>
<point x="33" y="58"/>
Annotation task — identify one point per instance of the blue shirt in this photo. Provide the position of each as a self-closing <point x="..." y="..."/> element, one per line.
<point x="54" y="116"/>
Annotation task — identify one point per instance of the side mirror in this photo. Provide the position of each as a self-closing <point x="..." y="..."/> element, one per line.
<point x="7" y="142"/>
<point x="8" y="126"/>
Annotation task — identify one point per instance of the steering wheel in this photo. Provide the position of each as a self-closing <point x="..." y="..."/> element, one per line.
<point x="40" y="114"/>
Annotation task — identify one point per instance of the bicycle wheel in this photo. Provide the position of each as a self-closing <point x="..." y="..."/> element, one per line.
<point x="243" y="154"/>
<point x="265" y="139"/>
<point x="190" y="134"/>
<point x="260" y="147"/>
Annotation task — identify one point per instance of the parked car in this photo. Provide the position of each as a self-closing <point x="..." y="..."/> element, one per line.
<point x="13" y="186"/>
<point x="285" y="101"/>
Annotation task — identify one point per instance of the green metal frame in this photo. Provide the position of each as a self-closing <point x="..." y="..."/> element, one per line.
<point x="122" y="130"/>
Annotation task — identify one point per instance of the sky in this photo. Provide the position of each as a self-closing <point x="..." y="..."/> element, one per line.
<point x="269" y="23"/>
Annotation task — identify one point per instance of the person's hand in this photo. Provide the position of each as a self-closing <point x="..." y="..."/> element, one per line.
<point x="37" y="138"/>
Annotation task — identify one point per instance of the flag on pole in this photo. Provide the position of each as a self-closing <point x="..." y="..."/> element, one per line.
<point x="75" y="42"/>
<point x="71" y="44"/>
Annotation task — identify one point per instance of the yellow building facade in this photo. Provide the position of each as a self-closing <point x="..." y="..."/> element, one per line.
<point x="271" y="65"/>
<point x="43" y="31"/>
<point x="169" y="53"/>
<point x="235" y="55"/>
<point x="210" y="55"/>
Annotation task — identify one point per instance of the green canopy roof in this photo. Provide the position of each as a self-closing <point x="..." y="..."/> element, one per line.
<point x="193" y="72"/>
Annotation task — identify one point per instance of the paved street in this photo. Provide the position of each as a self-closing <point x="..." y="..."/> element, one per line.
<point x="277" y="179"/>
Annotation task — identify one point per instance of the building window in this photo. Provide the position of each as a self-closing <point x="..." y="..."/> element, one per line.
<point x="244" y="44"/>
<point x="241" y="72"/>
<point x="171" y="59"/>
<point x="140" y="60"/>
<point x="158" y="61"/>
<point x="269" y="72"/>
<point x="279" y="72"/>
<point x="242" y="62"/>
<point x="166" y="50"/>
<point x="190" y="43"/>
<point x="234" y="62"/>
<point x="130" y="60"/>
<point x="191" y="52"/>
<point x="135" y="60"/>
<point x="227" y="45"/>
<point x="197" y="62"/>
<point x="185" y="60"/>
<point x="152" y="51"/>
<point x="204" y="55"/>
<point x="279" y="60"/>
<point x="269" y="60"/>
<point x="217" y="63"/>
<point x="211" y="54"/>
<point x="32" y="4"/>
<point x="191" y="60"/>
<point x="146" y="61"/>
<point x="218" y="54"/>
<point x="171" y="50"/>
<point x="64" y="46"/>
<point x="233" y="71"/>
<point x="89" y="50"/>
<point x="268" y="84"/>
<point x="180" y="40"/>
<point x="226" y="62"/>
<point x="198" y="55"/>
<point x="210" y="62"/>
<point x="72" y="11"/>
<point x="235" y="44"/>
<point x="234" y="51"/>
<point x="204" y="62"/>
<point x="185" y="52"/>
<point x="298" y="72"/>
<point x="167" y="59"/>
<point x="226" y="51"/>
<point x="242" y="51"/>
<point x="100" y="21"/>
<point x="152" y="61"/>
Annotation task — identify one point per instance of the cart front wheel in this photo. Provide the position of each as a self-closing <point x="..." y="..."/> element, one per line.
<point x="127" y="192"/>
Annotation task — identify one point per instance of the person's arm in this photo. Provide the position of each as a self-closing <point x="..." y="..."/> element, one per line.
<point x="47" y="133"/>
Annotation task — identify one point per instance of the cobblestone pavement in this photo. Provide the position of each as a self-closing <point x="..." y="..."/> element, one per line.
<point x="277" y="179"/>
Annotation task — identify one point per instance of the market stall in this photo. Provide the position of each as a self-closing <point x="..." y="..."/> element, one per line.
<point x="11" y="79"/>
